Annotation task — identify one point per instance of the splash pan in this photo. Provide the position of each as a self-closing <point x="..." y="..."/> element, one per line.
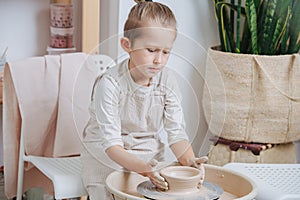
<point x="235" y="186"/>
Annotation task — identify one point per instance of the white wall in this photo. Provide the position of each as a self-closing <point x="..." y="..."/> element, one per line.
<point x="23" y="23"/>
<point x="197" y="30"/>
<point x="25" y="27"/>
<point x="109" y="26"/>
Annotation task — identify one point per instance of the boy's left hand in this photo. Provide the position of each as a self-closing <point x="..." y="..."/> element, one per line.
<point x="198" y="163"/>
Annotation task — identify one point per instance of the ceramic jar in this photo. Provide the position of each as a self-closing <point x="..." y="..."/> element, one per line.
<point x="61" y="15"/>
<point x="61" y="27"/>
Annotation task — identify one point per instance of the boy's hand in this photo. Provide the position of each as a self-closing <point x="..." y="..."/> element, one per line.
<point x="198" y="163"/>
<point x="156" y="178"/>
<point x="159" y="181"/>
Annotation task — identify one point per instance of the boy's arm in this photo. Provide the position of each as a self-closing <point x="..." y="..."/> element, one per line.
<point x="183" y="152"/>
<point x="185" y="156"/>
<point x="127" y="160"/>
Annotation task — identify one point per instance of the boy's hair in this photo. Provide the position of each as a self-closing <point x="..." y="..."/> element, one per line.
<point x="148" y="12"/>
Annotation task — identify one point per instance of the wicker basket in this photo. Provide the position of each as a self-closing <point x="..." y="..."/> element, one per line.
<point x="253" y="98"/>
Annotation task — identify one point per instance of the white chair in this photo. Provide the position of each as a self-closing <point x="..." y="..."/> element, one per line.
<point x="274" y="181"/>
<point x="64" y="172"/>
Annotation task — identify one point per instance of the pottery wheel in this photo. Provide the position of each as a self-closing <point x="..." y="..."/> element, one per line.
<point x="208" y="191"/>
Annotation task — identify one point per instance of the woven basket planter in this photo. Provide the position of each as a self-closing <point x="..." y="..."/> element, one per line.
<point x="252" y="98"/>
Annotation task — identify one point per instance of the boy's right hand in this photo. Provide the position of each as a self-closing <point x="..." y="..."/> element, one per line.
<point x="158" y="181"/>
<point x="156" y="178"/>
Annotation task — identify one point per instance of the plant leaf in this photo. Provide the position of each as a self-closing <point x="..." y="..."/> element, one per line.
<point x="252" y="18"/>
<point x="279" y="24"/>
<point x="226" y="36"/>
<point x="294" y="29"/>
<point x="238" y="26"/>
<point x="268" y="27"/>
<point x="246" y="39"/>
<point x="219" y="20"/>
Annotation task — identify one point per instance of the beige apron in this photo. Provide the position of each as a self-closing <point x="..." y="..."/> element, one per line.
<point x="141" y="113"/>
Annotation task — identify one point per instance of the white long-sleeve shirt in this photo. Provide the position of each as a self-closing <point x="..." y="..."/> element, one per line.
<point x="132" y="116"/>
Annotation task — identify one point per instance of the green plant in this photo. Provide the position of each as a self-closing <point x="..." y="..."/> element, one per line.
<point x="270" y="27"/>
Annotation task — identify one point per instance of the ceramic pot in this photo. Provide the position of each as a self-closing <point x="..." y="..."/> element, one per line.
<point x="61" y="37"/>
<point x="181" y="179"/>
<point x="61" y="15"/>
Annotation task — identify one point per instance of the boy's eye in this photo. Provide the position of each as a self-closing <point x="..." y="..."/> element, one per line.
<point x="151" y="50"/>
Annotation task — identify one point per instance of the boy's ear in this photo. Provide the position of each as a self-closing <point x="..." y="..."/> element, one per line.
<point x="126" y="44"/>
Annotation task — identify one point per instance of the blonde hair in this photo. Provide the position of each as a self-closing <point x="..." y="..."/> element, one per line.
<point x="148" y="12"/>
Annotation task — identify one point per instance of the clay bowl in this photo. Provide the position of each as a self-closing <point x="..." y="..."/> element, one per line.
<point x="181" y="179"/>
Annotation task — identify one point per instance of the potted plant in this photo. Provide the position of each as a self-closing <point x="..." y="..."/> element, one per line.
<point x="271" y="27"/>
<point x="252" y="91"/>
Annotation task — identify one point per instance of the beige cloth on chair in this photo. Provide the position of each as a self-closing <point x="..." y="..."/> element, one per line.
<point x="73" y="106"/>
<point x="32" y="95"/>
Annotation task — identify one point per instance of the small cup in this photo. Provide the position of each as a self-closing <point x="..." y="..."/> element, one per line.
<point x="181" y="179"/>
<point x="61" y="37"/>
<point x="61" y="41"/>
<point x="61" y="15"/>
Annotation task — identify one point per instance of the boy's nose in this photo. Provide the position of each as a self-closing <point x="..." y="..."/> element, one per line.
<point x="158" y="58"/>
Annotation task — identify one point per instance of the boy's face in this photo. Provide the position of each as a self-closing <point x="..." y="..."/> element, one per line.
<point x="150" y="51"/>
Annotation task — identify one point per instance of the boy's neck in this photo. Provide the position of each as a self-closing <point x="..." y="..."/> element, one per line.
<point x="139" y="80"/>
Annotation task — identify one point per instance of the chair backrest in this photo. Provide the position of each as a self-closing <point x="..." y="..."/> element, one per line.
<point x="77" y="103"/>
<point x="74" y="100"/>
<point x="94" y="66"/>
<point x="100" y="62"/>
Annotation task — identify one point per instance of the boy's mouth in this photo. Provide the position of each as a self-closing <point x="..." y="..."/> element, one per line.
<point x="154" y="69"/>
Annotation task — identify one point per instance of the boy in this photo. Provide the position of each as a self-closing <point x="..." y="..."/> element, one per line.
<point x="134" y="101"/>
